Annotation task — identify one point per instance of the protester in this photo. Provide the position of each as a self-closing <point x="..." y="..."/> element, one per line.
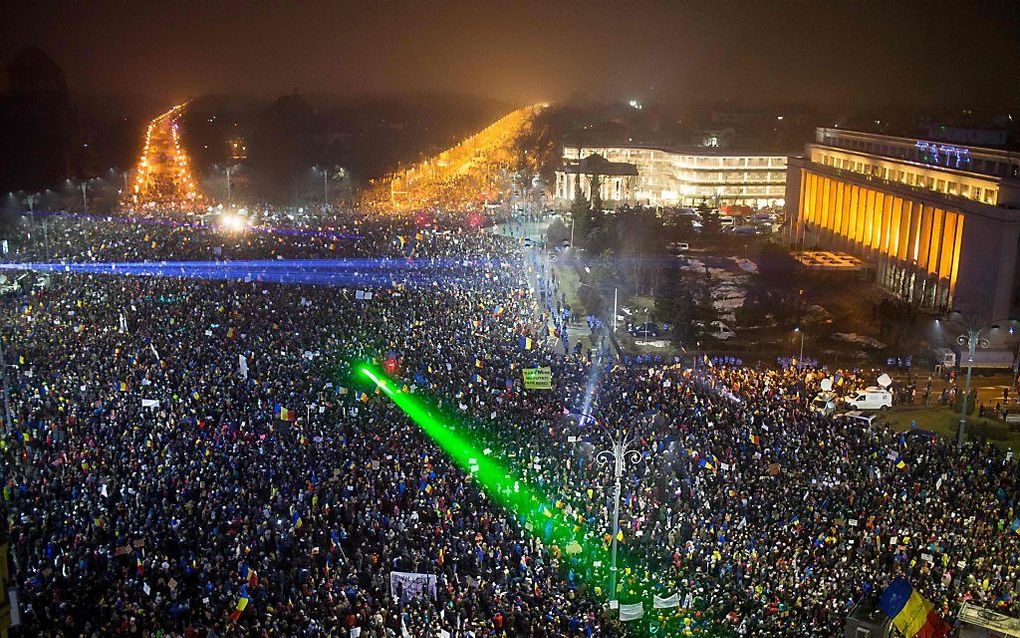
<point x="154" y="481"/>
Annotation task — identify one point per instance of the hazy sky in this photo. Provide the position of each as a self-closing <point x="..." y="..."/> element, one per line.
<point x="821" y="51"/>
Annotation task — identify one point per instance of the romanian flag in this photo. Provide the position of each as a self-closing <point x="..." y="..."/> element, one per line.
<point x="705" y="463"/>
<point x="296" y="521"/>
<point x="910" y="612"/>
<point x="498" y="312"/>
<point x="477" y="378"/>
<point x="231" y="333"/>
<point x="364" y="397"/>
<point x="123" y="386"/>
<point x="334" y="542"/>
<point x="478" y="363"/>
<point x="284" y="413"/>
<point x="526" y="343"/>
<point x="1015" y="525"/>
<point x="753" y="438"/>
<point x="242" y="602"/>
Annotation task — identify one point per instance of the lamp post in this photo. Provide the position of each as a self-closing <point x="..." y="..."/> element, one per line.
<point x="619" y="455"/>
<point x="971" y="338"/>
<point x="800" y="359"/>
<point x="229" y="198"/>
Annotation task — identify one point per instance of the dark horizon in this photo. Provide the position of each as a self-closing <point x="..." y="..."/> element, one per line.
<point x="856" y="55"/>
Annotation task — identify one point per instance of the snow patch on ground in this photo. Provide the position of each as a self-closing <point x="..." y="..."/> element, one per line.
<point x="853" y="337"/>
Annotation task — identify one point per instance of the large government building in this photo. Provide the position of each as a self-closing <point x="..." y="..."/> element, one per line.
<point x="939" y="223"/>
<point x="653" y="176"/>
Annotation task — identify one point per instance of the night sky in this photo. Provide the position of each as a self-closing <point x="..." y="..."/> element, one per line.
<point x="823" y="52"/>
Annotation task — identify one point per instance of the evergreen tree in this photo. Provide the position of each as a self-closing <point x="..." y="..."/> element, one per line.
<point x="710" y="225"/>
<point x="581" y="214"/>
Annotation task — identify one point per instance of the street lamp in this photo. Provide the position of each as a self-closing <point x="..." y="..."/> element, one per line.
<point x="972" y="339"/>
<point x="619" y="455"/>
<point x="800" y="359"/>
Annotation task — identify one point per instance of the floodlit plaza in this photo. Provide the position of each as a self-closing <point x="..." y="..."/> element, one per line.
<point x="423" y="320"/>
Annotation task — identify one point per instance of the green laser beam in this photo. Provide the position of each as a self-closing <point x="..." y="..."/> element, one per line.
<point x="500" y="484"/>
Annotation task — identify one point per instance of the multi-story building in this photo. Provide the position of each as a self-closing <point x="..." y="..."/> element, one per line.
<point x="680" y="177"/>
<point x="939" y="222"/>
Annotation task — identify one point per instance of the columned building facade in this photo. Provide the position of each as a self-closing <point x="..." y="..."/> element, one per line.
<point x="937" y="232"/>
<point x="685" y="177"/>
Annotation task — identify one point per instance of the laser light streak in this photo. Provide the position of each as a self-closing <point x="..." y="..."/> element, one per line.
<point x="588" y="554"/>
<point x="362" y="273"/>
<point x="540" y="514"/>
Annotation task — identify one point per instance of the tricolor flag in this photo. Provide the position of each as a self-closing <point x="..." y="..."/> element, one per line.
<point x="231" y="333"/>
<point x="498" y="312"/>
<point x="913" y="615"/>
<point x="477" y="378"/>
<point x="364" y="397"/>
<point x="705" y="463"/>
<point x="526" y="343"/>
<point x="753" y="438"/>
<point x="284" y="413"/>
<point x="478" y="363"/>
<point x="123" y="386"/>
<point x="242" y="602"/>
<point x="1015" y="525"/>
<point x="296" y="520"/>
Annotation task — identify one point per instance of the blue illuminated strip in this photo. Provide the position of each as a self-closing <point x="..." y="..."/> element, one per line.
<point x="362" y="273"/>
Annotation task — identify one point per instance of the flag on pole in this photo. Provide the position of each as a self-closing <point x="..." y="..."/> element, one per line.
<point x="284" y="414"/>
<point x="911" y="613"/>
<point x="242" y="602"/>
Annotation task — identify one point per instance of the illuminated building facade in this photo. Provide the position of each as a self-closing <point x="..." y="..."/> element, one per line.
<point x="682" y="177"/>
<point x="938" y="222"/>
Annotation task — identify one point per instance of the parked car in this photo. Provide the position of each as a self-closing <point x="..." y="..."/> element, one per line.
<point x="647" y="329"/>
<point x="721" y="331"/>
<point x="678" y="246"/>
<point x="871" y="398"/>
<point x="858" y="417"/>
<point x="824" y="403"/>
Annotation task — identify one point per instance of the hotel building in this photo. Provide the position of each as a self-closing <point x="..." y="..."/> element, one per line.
<point x="939" y="223"/>
<point x="676" y="177"/>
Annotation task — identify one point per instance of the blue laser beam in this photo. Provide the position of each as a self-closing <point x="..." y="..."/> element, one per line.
<point x="363" y="273"/>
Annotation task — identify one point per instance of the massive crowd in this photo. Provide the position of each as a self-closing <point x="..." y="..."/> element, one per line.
<point x="193" y="457"/>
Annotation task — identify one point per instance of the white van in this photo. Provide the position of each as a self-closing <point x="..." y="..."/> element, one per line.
<point x="824" y="403"/>
<point x="871" y="398"/>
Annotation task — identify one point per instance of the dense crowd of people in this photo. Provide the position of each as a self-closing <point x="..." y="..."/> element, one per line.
<point x="196" y="457"/>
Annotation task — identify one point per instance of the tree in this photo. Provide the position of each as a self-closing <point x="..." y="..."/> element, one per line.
<point x="557" y="232"/>
<point x="581" y="216"/>
<point x="710" y="225"/>
<point x="675" y="304"/>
